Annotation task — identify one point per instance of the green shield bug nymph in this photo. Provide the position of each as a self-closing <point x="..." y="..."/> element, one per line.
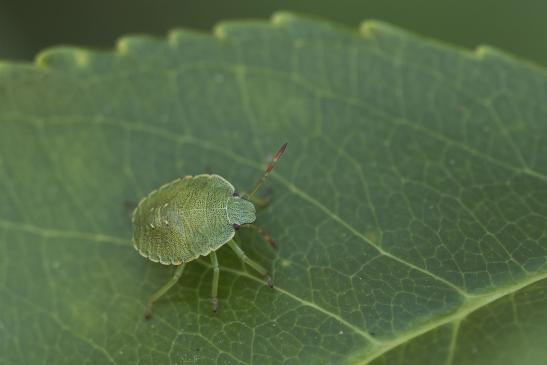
<point x="194" y="216"/>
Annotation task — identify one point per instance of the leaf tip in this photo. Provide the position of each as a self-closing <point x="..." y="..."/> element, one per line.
<point x="122" y="46"/>
<point x="175" y="36"/>
<point x="179" y="37"/>
<point x="371" y="28"/>
<point x="484" y="51"/>
<point x="63" y="57"/>
<point x="494" y="54"/>
<point x="366" y="29"/>
<point x="138" y="44"/>
<point x="280" y="18"/>
<point x="219" y="31"/>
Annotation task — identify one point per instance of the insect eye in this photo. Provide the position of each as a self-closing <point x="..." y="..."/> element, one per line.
<point x="235" y="193"/>
<point x="237" y="226"/>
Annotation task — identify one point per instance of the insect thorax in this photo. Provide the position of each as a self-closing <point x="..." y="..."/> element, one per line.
<point x="240" y="211"/>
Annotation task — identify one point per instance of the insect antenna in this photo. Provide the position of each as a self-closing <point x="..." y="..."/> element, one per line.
<point x="265" y="235"/>
<point x="268" y="171"/>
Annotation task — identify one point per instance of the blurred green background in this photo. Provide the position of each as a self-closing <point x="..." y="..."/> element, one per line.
<point x="26" y="26"/>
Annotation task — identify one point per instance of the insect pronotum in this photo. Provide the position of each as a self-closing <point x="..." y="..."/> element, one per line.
<point x="194" y="216"/>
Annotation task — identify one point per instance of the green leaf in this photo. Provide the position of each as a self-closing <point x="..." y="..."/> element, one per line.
<point x="409" y="208"/>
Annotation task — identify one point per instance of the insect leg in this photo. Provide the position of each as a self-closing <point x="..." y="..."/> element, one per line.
<point x="214" y="291"/>
<point x="265" y="236"/>
<point x="239" y="252"/>
<point x="163" y="290"/>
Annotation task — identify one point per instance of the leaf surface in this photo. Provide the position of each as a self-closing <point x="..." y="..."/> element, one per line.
<point x="409" y="209"/>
